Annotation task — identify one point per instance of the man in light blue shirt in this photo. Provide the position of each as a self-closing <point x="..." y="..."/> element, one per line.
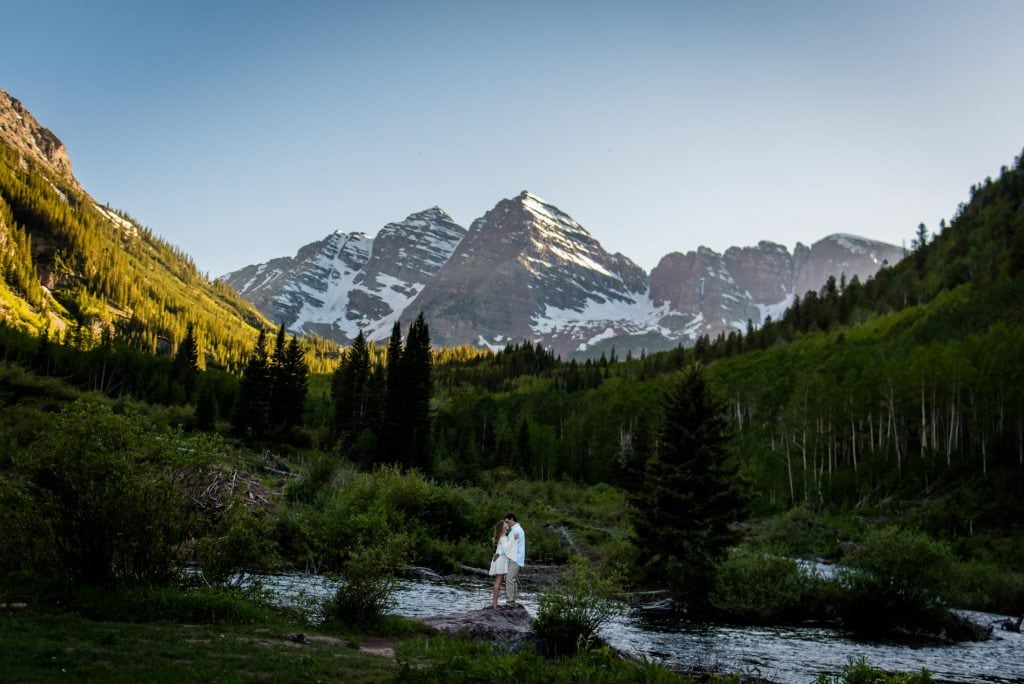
<point x="516" y="559"/>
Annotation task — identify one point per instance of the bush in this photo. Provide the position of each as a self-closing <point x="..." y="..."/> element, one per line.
<point x="241" y="541"/>
<point x="988" y="587"/>
<point x="206" y="605"/>
<point x="574" y="609"/>
<point x="757" y="588"/>
<point x="370" y="580"/>
<point x="859" y="672"/>
<point x="898" y="579"/>
<point x="115" y="519"/>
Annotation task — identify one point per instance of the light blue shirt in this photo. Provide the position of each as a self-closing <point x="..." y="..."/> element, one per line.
<point x="517" y="545"/>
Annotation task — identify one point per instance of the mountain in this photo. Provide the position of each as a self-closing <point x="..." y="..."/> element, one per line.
<point x="71" y="263"/>
<point x="349" y="282"/>
<point x="528" y="270"/>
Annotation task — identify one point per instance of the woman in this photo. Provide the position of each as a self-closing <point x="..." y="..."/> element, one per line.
<point x="499" y="563"/>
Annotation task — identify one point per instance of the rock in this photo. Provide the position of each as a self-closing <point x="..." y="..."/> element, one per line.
<point x="506" y="628"/>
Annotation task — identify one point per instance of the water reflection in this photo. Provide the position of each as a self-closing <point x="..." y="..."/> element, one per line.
<point x="781" y="654"/>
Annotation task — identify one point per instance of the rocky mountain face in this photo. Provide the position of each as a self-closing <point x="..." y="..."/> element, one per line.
<point x="527" y="270"/>
<point x="348" y="282"/>
<point x="26" y="135"/>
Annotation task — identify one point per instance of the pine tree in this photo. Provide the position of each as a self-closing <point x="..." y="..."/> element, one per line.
<point x="206" y="408"/>
<point x="393" y="410"/>
<point x="185" y="367"/>
<point x="417" y="387"/>
<point x="291" y="386"/>
<point x="690" y="492"/>
<point x="349" y="392"/>
<point x="252" y="407"/>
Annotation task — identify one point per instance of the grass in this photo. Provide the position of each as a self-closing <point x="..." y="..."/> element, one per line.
<point x="40" y="646"/>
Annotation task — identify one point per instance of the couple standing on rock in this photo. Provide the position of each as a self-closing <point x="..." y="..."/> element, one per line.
<point x="509" y="558"/>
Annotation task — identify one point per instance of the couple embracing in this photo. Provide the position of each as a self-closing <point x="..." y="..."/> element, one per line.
<point x="509" y="558"/>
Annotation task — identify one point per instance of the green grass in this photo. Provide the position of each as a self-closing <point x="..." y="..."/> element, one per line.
<point x="47" y="647"/>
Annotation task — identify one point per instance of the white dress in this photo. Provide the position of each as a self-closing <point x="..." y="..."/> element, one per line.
<point x="500" y="566"/>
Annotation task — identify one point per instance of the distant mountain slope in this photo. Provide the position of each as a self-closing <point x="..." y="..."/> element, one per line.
<point x="69" y="261"/>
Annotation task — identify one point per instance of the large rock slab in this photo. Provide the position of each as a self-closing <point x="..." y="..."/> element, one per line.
<point x="506" y="628"/>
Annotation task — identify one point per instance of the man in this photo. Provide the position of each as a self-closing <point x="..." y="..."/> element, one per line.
<point x="516" y="558"/>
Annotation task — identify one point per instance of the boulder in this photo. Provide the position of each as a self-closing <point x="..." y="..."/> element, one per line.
<point x="506" y="628"/>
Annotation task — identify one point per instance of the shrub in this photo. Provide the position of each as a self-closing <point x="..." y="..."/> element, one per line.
<point x="989" y="587"/>
<point x="898" y="579"/>
<point x="370" y="580"/>
<point x="757" y="588"/>
<point x="574" y="608"/>
<point x="207" y="605"/>
<point x="859" y="672"/>
<point x="241" y="541"/>
<point x="115" y="518"/>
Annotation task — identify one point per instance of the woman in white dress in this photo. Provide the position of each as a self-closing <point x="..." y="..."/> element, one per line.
<point x="499" y="563"/>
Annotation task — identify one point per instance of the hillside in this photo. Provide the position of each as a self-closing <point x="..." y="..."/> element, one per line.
<point x="71" y="263"/>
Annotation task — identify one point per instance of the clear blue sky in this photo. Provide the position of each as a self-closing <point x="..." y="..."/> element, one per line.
<point x="240" y="131"/>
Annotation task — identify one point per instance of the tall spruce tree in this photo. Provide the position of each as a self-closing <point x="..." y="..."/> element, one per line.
<point x="417" y="387"/>
<point x="252" y="406"/>
<point x="350" y="386"/>
<point x="291" y="386"/>
<point x="392" y="443"/>
<point x="185" y="366"/>
<point x="691" y="493"/>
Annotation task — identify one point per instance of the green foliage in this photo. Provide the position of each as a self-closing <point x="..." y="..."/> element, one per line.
<point x="241" y="541"/>
<point x="272" y="394"/>
<point x="757" y="588"/>
<point x="389" y="502"/>
<point x="573" y="610"/>
<point x="369" y="583"/>
<point x="113" y="516"/>
<point x="690" y="493"/>
<point x="460" y="661"/>
<point x="987" y="586"/>
<point x="101" y="264"/>
<point x="897" y="578"/>
<point x="859" y="672"/>
<point x="199" y="605"/>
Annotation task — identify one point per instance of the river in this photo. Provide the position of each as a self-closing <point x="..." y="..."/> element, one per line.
<point x="788" y="655"/>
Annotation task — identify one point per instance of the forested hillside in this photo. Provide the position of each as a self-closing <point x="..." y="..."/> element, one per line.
<point x="79" y="270"/>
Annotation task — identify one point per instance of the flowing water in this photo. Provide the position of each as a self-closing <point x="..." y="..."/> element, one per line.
<point x="780" y="654"/>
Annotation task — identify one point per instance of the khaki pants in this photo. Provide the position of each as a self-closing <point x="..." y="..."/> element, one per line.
<point x="512" y="582"/>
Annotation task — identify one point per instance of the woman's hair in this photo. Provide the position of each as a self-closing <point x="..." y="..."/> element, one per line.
<point x="499" y="530"/>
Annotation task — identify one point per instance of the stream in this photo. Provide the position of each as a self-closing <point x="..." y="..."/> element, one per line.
<point x="780" y="654"/>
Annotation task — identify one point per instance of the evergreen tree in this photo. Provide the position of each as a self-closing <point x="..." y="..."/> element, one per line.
<point x="206" y="408"/>
<point x="185" y="367"/>
<point x="393" y="409"/>
<point x="690" y="493"/>
<point x="291" y="384"/>
<point x="417" y="387"/>
<point x="252" y="407"/>
<point x="350" y="387"/>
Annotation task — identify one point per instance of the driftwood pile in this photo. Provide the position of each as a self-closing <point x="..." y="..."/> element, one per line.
<point x="215" y="490"/>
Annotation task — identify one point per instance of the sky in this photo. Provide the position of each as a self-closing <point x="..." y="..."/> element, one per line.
<point x="242" y="130"/>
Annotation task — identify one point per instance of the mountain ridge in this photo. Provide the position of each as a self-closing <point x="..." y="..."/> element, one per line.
<point x="526" y="270"/>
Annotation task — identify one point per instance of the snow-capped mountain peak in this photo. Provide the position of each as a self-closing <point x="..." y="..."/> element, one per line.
<point x="528" y="270"/>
